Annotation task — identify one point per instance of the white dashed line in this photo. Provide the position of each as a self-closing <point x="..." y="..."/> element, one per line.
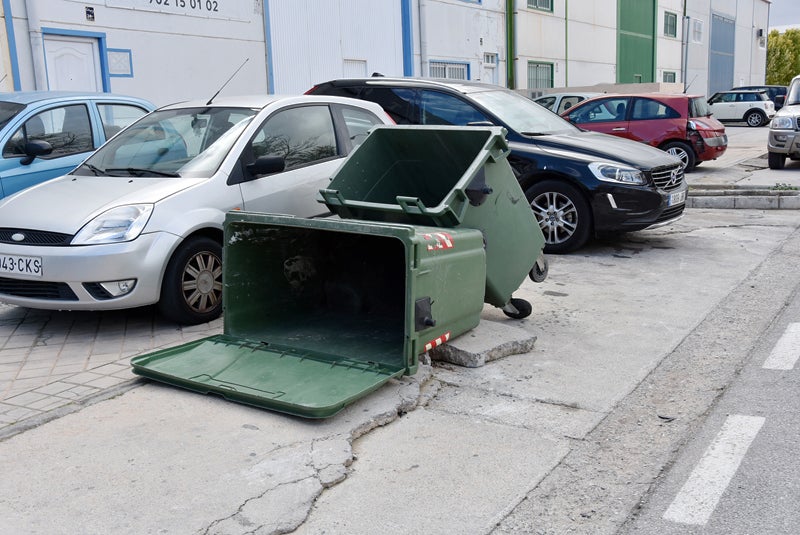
<point x="698" y="497"/>
<point x="786" y="352"/>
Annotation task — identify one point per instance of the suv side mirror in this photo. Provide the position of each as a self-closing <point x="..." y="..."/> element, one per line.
<point x="780" y="99"/>
<point x="35" y="148"/>
<point x="266" y="165"/>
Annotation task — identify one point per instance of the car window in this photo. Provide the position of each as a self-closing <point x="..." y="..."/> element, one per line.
<point x="66" y="129"/>
<point x="358" y="122"/>
<point x="648" y="109"/>
<point x="440" y="108"/>
<point x="604" y="110"/>
<point x="698" y="108"/>
<point x="547" y="102"/>
<point x="397" y="102"/>
<point x="725" y="97"/>
<point x="568" y="102"/>
<point x="8" y="110"/>
<point x="115" y="117"/>
<point x="301" y="136"/>
<point x="747" y="97"/>
<point x="186" y="142"/>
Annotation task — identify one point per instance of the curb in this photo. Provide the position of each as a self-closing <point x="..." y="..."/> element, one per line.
<point x="753" y="197"/>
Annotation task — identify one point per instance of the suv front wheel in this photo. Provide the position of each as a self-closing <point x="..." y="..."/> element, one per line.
<point x="562" y="213"/>
<point x="776" y="160"/>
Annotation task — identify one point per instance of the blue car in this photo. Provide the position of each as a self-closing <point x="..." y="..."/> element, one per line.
<point x="45" y="134"/>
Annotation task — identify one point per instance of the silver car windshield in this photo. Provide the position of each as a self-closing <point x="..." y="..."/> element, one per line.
<point x="521" y="113"/>
<point x="189" y="142"/>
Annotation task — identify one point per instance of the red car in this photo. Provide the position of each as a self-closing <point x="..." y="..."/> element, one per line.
<point x="682" y="125"/>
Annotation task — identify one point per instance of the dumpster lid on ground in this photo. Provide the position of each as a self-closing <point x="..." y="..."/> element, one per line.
<point x="235" y="369"/>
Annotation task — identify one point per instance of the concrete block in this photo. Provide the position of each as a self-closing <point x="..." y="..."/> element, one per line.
<point x="758" y="202"/>
<point x="710" y="202"/>
<point x="488" y="341"/>
<point x="790" y="202"/>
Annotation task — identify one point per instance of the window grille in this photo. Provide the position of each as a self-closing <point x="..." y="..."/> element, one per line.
<point x="545" y="5"/>
<point x="540" y="75"/>
<point x="443" y="69"/>
<point x="669" y="77"/>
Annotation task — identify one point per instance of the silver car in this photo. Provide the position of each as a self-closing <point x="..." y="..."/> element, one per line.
<point x="784" y="130"/>
<point x="140" y="221"/>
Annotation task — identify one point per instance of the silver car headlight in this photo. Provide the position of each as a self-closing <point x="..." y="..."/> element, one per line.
<point x="609" y="172"/>
<point x="782" y="122"/>
<point x="123" y="223"/>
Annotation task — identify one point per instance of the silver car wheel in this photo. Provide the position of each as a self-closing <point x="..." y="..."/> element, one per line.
<point x="557" y="216"/>
<point x="201" y="282"/>
<point x="679" y="153"/>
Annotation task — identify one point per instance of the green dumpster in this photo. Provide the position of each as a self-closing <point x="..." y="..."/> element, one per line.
<point x="319" y="312"/>
<point x="454" y="177"/>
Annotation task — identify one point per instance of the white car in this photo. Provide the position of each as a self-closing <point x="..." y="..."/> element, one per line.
<point x="561" y="102"/>
<point x="753" y="107"/>
<point x="140" y="221"/>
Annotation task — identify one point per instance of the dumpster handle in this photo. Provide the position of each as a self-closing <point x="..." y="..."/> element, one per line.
<point x="411" y="205"/>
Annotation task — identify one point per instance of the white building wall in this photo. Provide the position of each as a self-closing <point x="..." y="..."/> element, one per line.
<point x="669" y="50"/>
<point x="592" y="46"/>
<point x="177" y="53"/>
<point x="463" y="32"/>
<point x="314" y="41"/>
<point x="750" y="61"/>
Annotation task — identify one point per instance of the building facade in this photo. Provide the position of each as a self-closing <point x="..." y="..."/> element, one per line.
<point x="170" y="50"/>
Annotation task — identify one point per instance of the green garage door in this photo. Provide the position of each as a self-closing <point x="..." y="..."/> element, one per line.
<point x="636" y="41"/>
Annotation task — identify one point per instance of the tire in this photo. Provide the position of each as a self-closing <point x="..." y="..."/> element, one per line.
<point x="755" y="118"/>
<point x="538" y="273"/>
<point x="683" y="152"/>
<point x="776" y="160"/>
<point x="191" y="292"/>
<point x="562" y="213"/>
<point x="517" y="308"/>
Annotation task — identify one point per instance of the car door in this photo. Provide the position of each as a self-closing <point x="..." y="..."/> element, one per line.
<point x="311" y="140"/>
<point x="653" y="122"/>
<point x="723" y="106"/>
<point x="69" y="132"/>
<point x="606" y="115"/>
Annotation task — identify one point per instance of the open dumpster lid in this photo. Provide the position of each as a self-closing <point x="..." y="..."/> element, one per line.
<point x="284" y="379"/>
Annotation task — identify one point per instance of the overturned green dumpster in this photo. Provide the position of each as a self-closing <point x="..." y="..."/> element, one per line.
<point x="320" y="312"/>
<point x="446" y="176"/>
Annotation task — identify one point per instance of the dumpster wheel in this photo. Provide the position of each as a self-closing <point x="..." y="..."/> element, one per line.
<point x="538" y="272"/>
<point x="517" y="308"/>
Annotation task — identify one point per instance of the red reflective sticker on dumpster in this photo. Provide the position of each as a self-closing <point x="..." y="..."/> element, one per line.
<point x="436" y="342"/>
<point x="442" y="240"/>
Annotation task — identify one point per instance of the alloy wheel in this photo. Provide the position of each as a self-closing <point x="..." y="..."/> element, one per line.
<point x="201" y="282"/>
<point x="557" y="216"/>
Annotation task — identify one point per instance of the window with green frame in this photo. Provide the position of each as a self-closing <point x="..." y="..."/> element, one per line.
<point x="544" y="5"/>
<point x="670" y="24"/>
<point x="540" y="75"/>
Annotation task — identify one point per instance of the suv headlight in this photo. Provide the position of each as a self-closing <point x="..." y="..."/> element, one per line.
<point x="609" y="172"/>
<point x="783" y="122"/>
<point x="123" y="223"/>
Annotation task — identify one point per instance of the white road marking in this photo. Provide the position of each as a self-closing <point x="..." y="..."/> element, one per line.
<point x="786" y="352"/>
<point x="699" y="496"/>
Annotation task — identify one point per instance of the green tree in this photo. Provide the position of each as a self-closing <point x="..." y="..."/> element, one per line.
<point x="783" y="56"/>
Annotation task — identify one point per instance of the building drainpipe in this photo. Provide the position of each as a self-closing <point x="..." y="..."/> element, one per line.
<point x="37" y="44"/>
<point x="566" y="43"/>
<point x="685" y="47"/>
<point x="423" y="40"/>
<point x="511" y="52"/>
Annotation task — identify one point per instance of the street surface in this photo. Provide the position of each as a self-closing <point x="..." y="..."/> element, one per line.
<point x="649" y="361"/>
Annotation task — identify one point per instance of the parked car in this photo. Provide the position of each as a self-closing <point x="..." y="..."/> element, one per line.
<point x="678" y="124"/>
<point x="776" y="93"/>
<point x="561" y="102"/>
<point x="784" y="130"/>
<point x="753" y="107"/>
<point x="45" y="134"/>
<point x="577" y="183"/>
<point x="140" y="221"/>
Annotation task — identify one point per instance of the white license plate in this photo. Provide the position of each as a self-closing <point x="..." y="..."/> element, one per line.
<point x="21" y="265"/>
<point x="676" y="198"/>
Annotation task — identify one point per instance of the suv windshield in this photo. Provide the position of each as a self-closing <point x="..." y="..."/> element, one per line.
<point x="8" y="110"/>
<point x="793" y="97"/>
<point x="521" y="113"/>
<point x="188" y="142"/>
<point x="698" y="107"/>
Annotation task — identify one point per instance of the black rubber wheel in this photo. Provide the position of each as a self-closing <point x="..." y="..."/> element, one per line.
<point x="755" y="118"/>
<point x="537" y="273"/>
<point x="523" y="309"/>
<point x="683" y="152"/>
<point x="776" y="160"/>
<point x="563" y="215"/>
<point x="192" y="289"/>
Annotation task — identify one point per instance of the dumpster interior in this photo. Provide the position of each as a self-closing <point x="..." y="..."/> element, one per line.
<point x="314" y="289"/>
<point x="415" y="164"/>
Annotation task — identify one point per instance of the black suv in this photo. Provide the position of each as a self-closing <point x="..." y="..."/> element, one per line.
<point x="578" y="183"/>
<point x="776" y="93"/>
